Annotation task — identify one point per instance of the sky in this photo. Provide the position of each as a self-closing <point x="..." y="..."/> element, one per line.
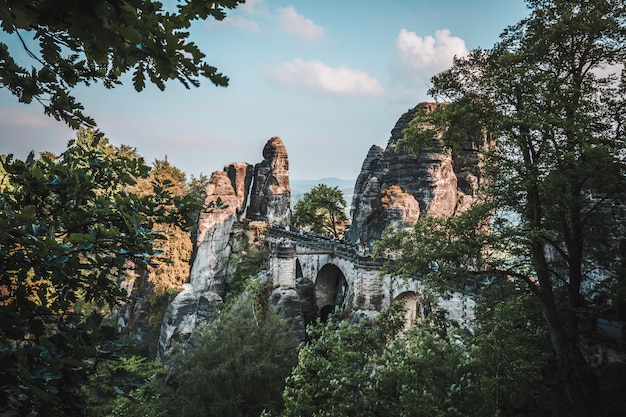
<point x="329" y="77"/>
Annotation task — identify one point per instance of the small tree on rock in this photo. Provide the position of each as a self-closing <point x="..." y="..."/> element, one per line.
<point x="323" y="209"/>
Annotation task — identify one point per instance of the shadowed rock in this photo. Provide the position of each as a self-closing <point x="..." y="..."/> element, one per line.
<point x="207" y="283"/>
<point x="393" y="187"/>
<point x="240" y="175"/>
<point x="270" y="200"/>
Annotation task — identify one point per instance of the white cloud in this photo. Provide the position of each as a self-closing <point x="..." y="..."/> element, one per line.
<point x="254" y="16"/>
<point x="315" y="76"/>
<point x="606" y="70"/>
<point x="418" y="59"/>
<point x="299" y="25"/>
<point x="241" y="22"/>
<point x="243" y="17"/>
<point x="253" y="7"/>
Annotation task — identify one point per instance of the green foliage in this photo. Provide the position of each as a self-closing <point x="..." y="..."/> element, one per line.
<point x="68" y="230"/>
<point x="245" y="263"/>
<point x="142" y="401"/>
<point x="455" y="244"/>
<point x="322" y="209"/>
<point x="197" y="186"/>
<point x="96" y="40"/>
<point x="543" y="113"/>
<point x="235" y="367"/>
<point x="511" y="350"/>
<point x="125" y="386"/>
<point x="371" y="368"/>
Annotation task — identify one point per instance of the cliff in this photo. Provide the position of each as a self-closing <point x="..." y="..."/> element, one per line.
<point x="267" y="185"/>
<point x="394" y="188"/>
<point x="270" y="199"/>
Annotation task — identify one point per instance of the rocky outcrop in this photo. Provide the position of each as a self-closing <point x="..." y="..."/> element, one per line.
<point x="393" y="188"/>
<point x="188" y="310"/>
<point x="214" y="225"/>
<point x="270" y="200"/>
<point x="204" y="294"/>
<point x="288" y="303"/>
<point x="390" y="207"/>
<point x="240" y="175"/>
<point x="226" y="200"/>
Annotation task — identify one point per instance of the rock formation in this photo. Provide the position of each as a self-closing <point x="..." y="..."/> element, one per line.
<point x="393" y="188"/>
<point x="240" y="175"/>
<point x="270" y="200"/>
<point x="203" y="297"/>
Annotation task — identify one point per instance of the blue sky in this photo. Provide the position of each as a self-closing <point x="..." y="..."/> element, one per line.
<point x="330" y="77"/>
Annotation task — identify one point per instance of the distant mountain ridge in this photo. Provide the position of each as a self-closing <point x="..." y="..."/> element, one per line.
<point x="299" y="187"/>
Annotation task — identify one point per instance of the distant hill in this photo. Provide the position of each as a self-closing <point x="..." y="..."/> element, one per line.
<point x="299" y="187"/>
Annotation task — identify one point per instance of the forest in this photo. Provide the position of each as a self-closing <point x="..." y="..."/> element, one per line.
<point x="541" y="116"/>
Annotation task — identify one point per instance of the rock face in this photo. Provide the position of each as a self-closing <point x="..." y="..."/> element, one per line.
<point x="391" y="207"/>
<point x="393" y="188"/>
<point x="240" y="175"/>
<point x="203" y="297"/>
<point x="211" y="244"/>
<point x="270" y="199"/>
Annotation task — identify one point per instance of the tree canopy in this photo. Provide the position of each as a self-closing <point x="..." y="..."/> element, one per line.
<point x="72" y="43"/>
<point x="69" y="229"/>
<point x="172" y="271"/>
<point x="323" y="209"/>
<point x="372" y="368"/>
<point x="237" y="365"/>
<point x="544" y="112"/>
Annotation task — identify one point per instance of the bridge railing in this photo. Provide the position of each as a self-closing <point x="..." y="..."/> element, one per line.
<point x="336" y="247"/>
<point x="349" y="251"/>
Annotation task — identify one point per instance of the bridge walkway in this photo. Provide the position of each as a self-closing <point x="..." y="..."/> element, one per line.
<point x="319" y="244"/>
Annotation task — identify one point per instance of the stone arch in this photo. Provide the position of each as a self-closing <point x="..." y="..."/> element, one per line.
<point x="413" y="303"/>
<point x="306" y="289"/>
<point x="331" y="290"/>
<point x="298" y="269"/>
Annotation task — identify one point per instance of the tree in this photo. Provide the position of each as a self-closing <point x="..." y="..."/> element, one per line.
<point x="126" y="386"/>
<point x="68" y="229"/>
<point x="247" y="259"/>
<point x="151" y="289"/>
<point x="172" y="270"/>
<point x="236" y="366"/>
<point x="372" y="368"/>
<point x="323" y="209"/>
<point x="511" y="354"/>
<point x="544" y="112"/>
<point x="100" y="41"/>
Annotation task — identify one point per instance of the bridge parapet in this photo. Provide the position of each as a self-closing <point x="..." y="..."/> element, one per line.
<point x="370" y="290"/>
<point x="346" y="250"/>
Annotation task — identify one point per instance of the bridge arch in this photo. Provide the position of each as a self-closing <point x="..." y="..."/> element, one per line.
<point x="414" y="307"/>
<point x="298" y="269"/>
<point x="331" y="290"/>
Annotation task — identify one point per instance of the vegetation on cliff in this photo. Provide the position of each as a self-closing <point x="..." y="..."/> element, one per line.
<point x="70" y="230"/>
<point x="547" y="106"/>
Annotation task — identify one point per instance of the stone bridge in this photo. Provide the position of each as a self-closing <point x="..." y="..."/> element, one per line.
<point x="346" y="277"/>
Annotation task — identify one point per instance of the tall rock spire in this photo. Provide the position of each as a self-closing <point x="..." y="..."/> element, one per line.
<point x="270" y="199"/>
